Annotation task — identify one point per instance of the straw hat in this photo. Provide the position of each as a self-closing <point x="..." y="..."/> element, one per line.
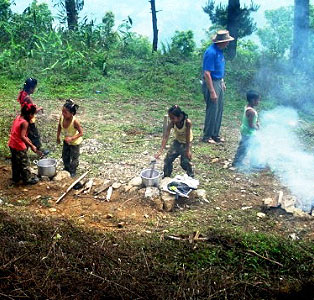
<point x="222" y="36"/>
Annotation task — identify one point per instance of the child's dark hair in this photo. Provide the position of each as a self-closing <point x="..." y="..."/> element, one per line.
<point x="70" y="106"/>
<point x="252" y="95"/>
<point x="29" y="84"/>
<point x="176" y="111"/>
<point x="27" y="110"/>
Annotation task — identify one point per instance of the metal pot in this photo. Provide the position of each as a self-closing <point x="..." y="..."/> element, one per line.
<point x="151" y="177"/>
<point x="46" y="167"/>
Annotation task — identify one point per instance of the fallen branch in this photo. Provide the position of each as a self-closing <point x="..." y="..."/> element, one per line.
<point x="71" y="186"/>
<point x="105" y="186"/>
<point x="266" y="258"/>
<point x="135" y="141"/>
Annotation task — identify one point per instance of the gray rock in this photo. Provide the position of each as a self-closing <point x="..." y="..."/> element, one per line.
<point x="61" y="175"/>
<point x="136" y="181"/>
<point x="152" y="192"/>
<point x="116" y="185"/>
<point x="201" y="194"/>
<point x="168" y="201"/>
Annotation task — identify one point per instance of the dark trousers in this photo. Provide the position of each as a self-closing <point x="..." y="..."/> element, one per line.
<point x="245" y="143"/>
<point x="34" y="136"/>
<point x="177" y="149"/>
<point x="70" y="157"/>
<point x="19" y="164"/>
<point x="214" y="110"/>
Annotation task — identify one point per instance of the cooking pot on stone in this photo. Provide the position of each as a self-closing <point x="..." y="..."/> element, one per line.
<point x="151" y="177"/>
<point x="46" y="167"/>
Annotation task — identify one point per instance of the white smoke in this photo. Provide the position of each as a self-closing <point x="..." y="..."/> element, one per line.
<point x="280" y="149"/>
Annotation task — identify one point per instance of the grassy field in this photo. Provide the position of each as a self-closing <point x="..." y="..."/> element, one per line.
<point x="244" y="257"/>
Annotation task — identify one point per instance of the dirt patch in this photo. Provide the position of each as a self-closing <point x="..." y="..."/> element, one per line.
<point x="236" y="205"/>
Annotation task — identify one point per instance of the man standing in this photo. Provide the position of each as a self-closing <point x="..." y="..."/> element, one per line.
<point x="214" y="85"/>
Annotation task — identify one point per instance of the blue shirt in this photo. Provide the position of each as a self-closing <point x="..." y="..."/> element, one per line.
<point x="214" y="62"/>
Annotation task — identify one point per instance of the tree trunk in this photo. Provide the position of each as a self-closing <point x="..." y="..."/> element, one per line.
<point x="300" y="32"/>
<point x="233" y="12"/>
<point x="155" y="29"/>
<point x="72" y="14"/>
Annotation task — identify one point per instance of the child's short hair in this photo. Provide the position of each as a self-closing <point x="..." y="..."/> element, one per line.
<point x="29" y="83"/>
<point x="71" y="107"/>
<point x="252" y="95"/>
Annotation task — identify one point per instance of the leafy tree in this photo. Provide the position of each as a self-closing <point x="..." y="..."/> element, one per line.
<point x="233" y="17"/>
<point x="276" y="36"/>
<point x="183" y="43"/>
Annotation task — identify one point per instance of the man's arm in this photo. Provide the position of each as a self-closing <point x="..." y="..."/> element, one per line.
<point x="210" y="85"/>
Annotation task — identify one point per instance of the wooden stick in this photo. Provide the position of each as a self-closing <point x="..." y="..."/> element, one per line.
<point x="71" y="186"/>
<point x="266" y="258"/>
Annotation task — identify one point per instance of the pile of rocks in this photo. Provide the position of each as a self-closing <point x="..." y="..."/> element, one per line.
<point x="288" y="203"/>
<point x="159" y="197"/>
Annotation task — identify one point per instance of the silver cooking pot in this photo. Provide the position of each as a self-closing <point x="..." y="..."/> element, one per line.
<point x="46" y="167"/>
<point x="151" y="177"/>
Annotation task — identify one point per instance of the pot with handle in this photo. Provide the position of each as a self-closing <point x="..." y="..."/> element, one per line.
<point x="151" y="177"/>
<point x="46" y="167"/>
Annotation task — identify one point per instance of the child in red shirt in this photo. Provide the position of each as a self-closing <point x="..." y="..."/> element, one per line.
<point x="19" y="143"/>
<point x="24" y="97"/>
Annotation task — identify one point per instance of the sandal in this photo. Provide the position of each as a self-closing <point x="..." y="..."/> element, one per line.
<point x="211" y="141"/>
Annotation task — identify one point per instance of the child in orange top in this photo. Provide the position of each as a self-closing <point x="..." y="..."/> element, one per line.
<point x="19" y="143"/>
<point x="72" y="130"/>
<point x="181" y="145"/>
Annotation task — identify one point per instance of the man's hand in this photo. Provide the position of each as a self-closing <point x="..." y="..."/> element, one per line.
<point x="223" y="86"/>
<point x="213" y="96"/>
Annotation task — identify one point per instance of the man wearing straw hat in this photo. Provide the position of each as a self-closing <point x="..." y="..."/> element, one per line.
<point x="214" y="85"/>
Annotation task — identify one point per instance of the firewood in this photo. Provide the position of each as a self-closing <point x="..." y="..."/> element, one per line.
<point x="71" y="186"/>
<point x="102" y="188"/>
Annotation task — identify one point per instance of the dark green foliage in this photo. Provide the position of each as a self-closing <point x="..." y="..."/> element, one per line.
<point x="219" y="16"/>
<point x="182" y="43"/>
<point x="233" y="17"/>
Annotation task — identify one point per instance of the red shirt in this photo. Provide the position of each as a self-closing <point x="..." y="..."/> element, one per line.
<point x="15" y="140"/>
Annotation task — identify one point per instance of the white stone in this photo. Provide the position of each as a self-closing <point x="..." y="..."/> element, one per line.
<point x="261" y="215"/>
<point x="52" y="209"/>
<point x="127" y="188"/>
<point x="1" y="202"/>
<point x="152" y="192"/>
<point x="201" y="193"/>
<point x="116" y="185"/>
<point x="136" y="181"/>
<point x="293" y="236"/>
<point x="61" y="175"/>
<point x="246" y="207"/>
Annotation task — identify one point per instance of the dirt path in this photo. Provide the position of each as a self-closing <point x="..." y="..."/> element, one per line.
<point x="235" y="206"/>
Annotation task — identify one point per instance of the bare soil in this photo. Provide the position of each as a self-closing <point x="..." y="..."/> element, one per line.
<point x="236" y="205"/>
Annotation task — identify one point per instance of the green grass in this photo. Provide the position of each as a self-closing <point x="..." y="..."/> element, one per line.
<point x="126" y="121"/>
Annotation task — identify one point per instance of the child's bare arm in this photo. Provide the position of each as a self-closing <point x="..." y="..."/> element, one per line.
<point x="59" y="132"/>
<point x="26" y="140"/>
<point x="188" y="138"/>
<point x="250" y="115"/>
<point x="164" y="139"/>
